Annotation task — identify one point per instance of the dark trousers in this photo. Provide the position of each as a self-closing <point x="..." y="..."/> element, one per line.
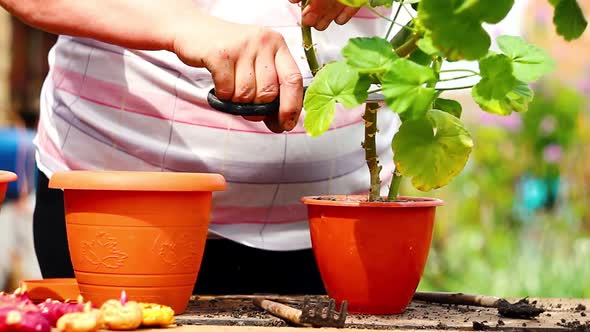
<point x="227" y="267"/>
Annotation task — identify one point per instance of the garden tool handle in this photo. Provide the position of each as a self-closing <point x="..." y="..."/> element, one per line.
<point x="244" y="109"/>
<point x="280" y="310"/>
<point x="458" y="299"/>
<point x="265" y="109"/>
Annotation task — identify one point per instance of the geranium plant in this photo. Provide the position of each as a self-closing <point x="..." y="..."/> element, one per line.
<point x="432" y="145"/>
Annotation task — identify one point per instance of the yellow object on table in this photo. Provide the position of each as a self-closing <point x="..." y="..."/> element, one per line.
<point x="156" y="315"/>
<point x="122" y="314"/>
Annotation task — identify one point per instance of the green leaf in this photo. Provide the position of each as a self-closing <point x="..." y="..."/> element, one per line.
<point x="403" y="87"/>
<point x="489" y="11"/>
<point x="420" y="57"/>
<point x="425" y="44"/>
<point x="379" y="3"/>
<point x="520" y="97"/>
<point x="498" y="91"/>
<point x="516" y="100"/>
<point x="354" y="3"/>
<point x="456" y="26"/>
<point x="336" y="82"/>
<point x="529" y="62"/>
<point x="431" y="150"/>
<point x="569" y="19"/>
<point x="496" y="77"/>
<point x="450" y="106"/>
<point x="369" y="55"/>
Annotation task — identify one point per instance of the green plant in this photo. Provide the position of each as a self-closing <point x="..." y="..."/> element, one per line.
<point x="432" y="146"/>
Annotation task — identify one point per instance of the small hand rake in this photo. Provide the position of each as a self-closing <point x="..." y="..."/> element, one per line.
<point x="314" y="312"/>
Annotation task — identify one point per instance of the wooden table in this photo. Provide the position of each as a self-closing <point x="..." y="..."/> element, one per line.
<point x="229" y="313"/>
<point x="238" y="314"/>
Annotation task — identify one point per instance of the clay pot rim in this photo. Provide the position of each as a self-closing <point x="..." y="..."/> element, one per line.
<point x="137" y="181"/>
<point x="7" y="176"/>
<point x="360" y="201"/>
<point x="64" y="288"/>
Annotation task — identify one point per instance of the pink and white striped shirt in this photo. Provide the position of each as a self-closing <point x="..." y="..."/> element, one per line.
<point x="107" y="107"/>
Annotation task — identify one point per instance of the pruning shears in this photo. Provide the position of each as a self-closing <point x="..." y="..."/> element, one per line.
<point x="246" y="109"/>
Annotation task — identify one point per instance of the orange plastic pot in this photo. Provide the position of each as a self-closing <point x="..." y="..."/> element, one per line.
<point x="371" y="254"/>
<point x="5" y="178"/>
<point x="142" y="232"/>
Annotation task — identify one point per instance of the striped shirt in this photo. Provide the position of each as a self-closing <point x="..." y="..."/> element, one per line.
<point x="107" y="107"/>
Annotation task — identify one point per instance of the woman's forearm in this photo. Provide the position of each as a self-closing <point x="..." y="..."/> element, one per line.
<point x="139" y="24"/>
<point x="248" y="63"/>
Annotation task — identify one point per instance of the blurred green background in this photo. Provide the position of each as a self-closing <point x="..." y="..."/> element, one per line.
<point x="516" y="221"/>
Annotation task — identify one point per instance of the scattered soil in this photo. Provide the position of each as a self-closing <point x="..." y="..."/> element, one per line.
<point x="332" y="199"/>
<point x="576" y="325"/>
<point x="441" y="326"/>
<point x="520" y="309"/>
<point x="245" y="313"/>
<point x="480" y="326"/>
<point x="360" y="199"/>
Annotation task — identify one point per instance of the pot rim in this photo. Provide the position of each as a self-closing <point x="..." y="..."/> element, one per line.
<point x="408" y="201"/>
<point x="137" y="181"/>
<point x="7" y="176"/>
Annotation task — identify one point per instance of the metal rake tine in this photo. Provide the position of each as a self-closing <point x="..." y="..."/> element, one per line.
<point x="343" y="313"/>
<point x="307" y="307"/>
<point x="319" y="309"/>
<point x="331" y="306"/>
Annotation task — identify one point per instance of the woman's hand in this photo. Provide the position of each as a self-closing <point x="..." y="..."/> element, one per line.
<point x="249" y="64"/>
<point x="320" y="13"/>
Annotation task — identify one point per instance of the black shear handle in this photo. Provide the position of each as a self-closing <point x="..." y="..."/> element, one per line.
<point x="230" y="107"/>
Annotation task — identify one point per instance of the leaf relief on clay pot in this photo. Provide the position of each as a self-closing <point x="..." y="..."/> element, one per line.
<point x="103" y="251"/>
<point x="178" y="250"/>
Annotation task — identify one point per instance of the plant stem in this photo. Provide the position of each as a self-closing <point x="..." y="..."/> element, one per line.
<point x="397" y="176"/>
<point x="394" y="19"/>
<point x="402" y="36"/>
<point x="436" y="64"/>
<point x="370" y="147"/>
<point x="395" y="185"/>
<point x="406" y="48"/>
<point x="310" y="55"/>
<point x="456" y="78"/>
<point x="407" y="10"/>
<point x="456" y="88"/>
<point x="459" y="70"/>
<point x="376" y="12"/>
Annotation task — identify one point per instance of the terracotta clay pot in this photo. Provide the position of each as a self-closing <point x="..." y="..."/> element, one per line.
<point x="5" y="178"/>
<point x="142" y="232"/>
<point x="371" y="254"/>
<point x="60" y="289"/>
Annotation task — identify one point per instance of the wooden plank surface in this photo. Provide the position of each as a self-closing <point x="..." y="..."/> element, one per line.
<point x="239" y="311"/>
<point x="238" y="314"/>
